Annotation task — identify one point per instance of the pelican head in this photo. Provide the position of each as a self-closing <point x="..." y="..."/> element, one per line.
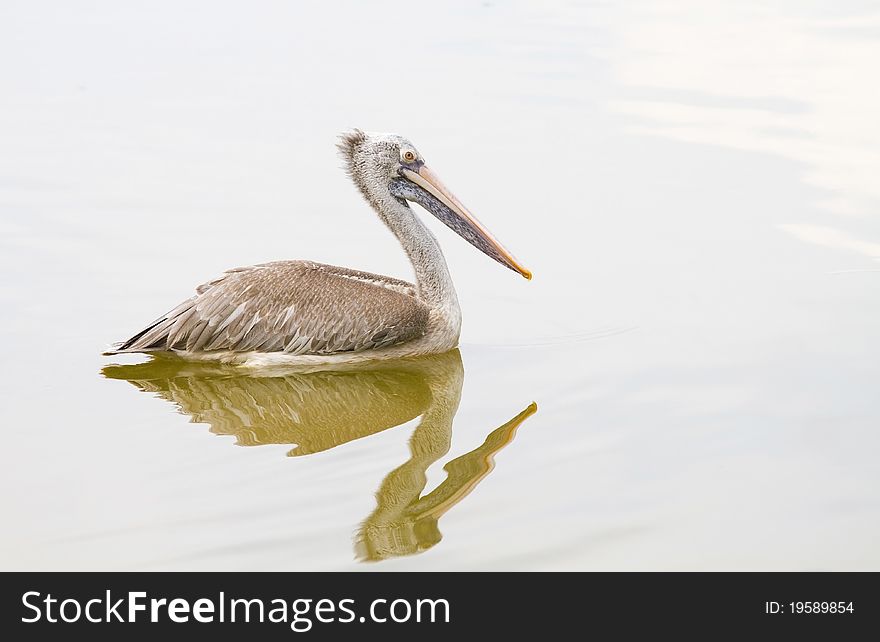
<point x="392" y="164"/>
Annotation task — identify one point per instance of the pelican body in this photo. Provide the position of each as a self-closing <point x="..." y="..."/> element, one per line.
<point x="306" y="312"/>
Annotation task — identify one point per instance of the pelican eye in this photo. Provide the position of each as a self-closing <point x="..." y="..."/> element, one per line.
<point x="409" y="156"/>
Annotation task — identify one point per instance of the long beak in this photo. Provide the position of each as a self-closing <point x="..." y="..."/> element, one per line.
<point x="473" y="231"/>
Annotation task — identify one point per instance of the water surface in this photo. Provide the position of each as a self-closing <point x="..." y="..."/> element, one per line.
<point x="693" y="186"/>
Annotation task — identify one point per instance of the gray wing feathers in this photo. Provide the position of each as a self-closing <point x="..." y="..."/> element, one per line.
<point x="296" y="307"/>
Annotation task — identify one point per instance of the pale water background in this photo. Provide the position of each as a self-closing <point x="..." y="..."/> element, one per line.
<point x="696" y="188"/>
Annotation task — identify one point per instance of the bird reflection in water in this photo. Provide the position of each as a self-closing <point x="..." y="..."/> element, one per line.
<point x="319" y="409"/>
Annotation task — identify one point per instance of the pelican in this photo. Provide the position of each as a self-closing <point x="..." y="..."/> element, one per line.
<point x="306" y="312"/>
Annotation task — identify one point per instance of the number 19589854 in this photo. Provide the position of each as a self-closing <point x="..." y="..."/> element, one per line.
<point x="808" y="608"/>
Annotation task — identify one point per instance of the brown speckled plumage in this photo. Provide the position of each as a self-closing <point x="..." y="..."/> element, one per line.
<point x="297" y="307"/>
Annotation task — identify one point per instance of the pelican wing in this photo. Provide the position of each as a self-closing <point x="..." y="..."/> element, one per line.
<point x="296" y="307"/>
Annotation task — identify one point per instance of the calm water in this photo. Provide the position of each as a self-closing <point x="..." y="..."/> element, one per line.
<point x="690" y="381"/>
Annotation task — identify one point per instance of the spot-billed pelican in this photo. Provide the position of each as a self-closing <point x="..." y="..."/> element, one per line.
<point x="305" y="312"/>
